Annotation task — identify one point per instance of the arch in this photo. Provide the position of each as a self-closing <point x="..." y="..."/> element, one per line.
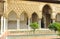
<point x="12" y="15"/>
<point x="15" y="12"/>
<point x="46" y="16"/>
<point x="12" y="20"/>
<point x="24" y="12"/>
<point x="35" y="13"/>
<point x="34" y="17"/>
<point x="48" y="6"/>
<point x="23" y="20"/>
<point x="58" y="17"/>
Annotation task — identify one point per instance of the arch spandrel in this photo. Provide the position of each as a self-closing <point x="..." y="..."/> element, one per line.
<point x="40" y="15"/>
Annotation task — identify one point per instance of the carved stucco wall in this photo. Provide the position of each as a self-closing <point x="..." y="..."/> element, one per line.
<point x="30" y="7"/>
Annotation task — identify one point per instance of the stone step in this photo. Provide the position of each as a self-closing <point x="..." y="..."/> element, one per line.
<point x="42" y="31"/>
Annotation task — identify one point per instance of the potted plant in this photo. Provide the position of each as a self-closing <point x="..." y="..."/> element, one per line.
<point x="55" y="26"/>
<point x="34" y="26"/>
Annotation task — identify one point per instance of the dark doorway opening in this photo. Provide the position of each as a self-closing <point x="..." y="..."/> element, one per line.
<point x="46" y="16"/>
<point x="34" y="17"/>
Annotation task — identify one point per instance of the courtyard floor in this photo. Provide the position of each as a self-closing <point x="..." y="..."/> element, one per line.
<point x="41" y="37"/>
<point x="36" y="37"/>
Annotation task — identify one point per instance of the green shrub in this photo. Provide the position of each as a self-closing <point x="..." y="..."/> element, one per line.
<point x="34" y="26"/>
<point x="55" y="26"/>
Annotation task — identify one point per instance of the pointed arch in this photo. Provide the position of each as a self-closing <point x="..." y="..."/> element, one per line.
<point x="12" y="20"/>
<point x="34" y="17"/>
<point x="12" y="15"/>
<point x="23" y="15"/>
<point x="24" y="12"/>
<point x="49" y="7"/>
<point x="24" y="20"/>
<point x="15" y="12"/>
<point x="35" y="13"/>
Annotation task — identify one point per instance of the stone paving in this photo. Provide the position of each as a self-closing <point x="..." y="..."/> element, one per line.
<point x="45" y="37"/>
<point x="35" y="37"/>
<point x="42" y="37"/>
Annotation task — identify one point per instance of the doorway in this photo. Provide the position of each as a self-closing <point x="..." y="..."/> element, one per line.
<point x="46" y="16"/>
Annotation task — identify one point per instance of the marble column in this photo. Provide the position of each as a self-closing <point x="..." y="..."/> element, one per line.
<point x="39" y="22"/>
<point x="2" y="25"/>
<point x="5" y="24"/>
<point x="29" y="24"/>
<point x="18" y="24"/>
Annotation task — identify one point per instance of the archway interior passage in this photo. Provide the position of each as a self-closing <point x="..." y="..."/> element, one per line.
<point x="23" y="21"/>
<point x="46" y="16"/>
<point x="34" y="17"/>
<point x="12" y="20"/>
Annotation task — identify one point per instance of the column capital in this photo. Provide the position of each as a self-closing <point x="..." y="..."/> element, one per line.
<point x="5" y="16"/>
